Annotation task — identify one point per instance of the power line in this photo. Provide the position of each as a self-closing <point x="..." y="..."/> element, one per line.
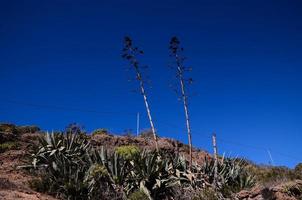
<point x="255" y="148"/>
<point x="245" y="146"/>
<point x="65" y="108"/>
<point x="263" y="149"/>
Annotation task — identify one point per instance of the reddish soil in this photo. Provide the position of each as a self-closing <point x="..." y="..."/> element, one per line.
<point x="13" y="181"/>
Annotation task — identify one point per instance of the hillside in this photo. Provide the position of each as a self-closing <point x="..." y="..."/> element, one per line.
<point x="17" y="142"/>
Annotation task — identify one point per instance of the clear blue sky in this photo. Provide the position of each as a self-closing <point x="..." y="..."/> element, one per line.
<point x="246" y="59"/>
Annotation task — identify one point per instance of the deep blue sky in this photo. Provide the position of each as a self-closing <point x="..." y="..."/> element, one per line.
<point x="246" y="59"/>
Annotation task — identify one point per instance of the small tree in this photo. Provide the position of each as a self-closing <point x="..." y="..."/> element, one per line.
<point x="178" y="65"/>
<point x="131" y="53"/>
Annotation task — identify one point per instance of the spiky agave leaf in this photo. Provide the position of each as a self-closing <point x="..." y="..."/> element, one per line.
<point x="62" y="160"/>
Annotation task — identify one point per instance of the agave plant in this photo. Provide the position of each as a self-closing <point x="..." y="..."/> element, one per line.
<point x="61" y="159"/>
<point x="232" y="175"/>
<point x="100" y="184"/>
<point x="116" y="166"/>
<point x="235" y="176"/>
<point x="156" y="174"/>
<point x="73" y="169"/>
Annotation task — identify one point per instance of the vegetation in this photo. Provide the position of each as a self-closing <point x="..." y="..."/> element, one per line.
<point x="61" y="162"/>
<point x="128" y="152"/>
<point x="10" y="133"/>
<point x="40" y="184"/>
<point x="70" y="168"/>
<point x="8" y="146"/>
<point x="101" y="131"/>
<point x="232" y="176"/>
<point x="137" y="195"/>
<point x="176" y="51"/>
<point x="131" y="54"/>
<point x="28" y="129"/>
<point x="270" y="175"/>
<point x="8" y="128"/>
<point x="13" y="129"/>
<point x="67" y="166"/>
<point x="294" y="190"/>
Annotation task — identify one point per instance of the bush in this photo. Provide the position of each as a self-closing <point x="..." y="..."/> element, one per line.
<point x="101" y="131"/>
<point x="39" y="184"/>
<point x="128" y="152"/>
<point x="137" y="195"/>
<point x="269" y="175"/>
<point x="8" y="146"/>
<point x="99" y="183"/>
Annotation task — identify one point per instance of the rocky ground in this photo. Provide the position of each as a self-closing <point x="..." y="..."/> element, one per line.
<point x="13" y="181"/>
<point x="282" y="191"/>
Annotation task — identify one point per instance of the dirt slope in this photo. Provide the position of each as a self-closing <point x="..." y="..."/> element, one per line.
<point x="14" y="182"/>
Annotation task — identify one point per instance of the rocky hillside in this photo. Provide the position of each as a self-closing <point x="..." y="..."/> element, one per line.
<point x="16" y="142"/>
<point x="14" y="183"/>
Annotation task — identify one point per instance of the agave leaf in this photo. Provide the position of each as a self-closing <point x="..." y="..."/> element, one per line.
<point x="62" y="148"/>
<point x="144" y="189"/>
<point x="158" y="183"/>
<point x="53" y="152"/>
<point x="34" y="162"/>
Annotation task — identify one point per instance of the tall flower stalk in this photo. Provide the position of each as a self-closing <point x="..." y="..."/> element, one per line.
<point x="176" y="53"/>
<point x="131" y="53"/>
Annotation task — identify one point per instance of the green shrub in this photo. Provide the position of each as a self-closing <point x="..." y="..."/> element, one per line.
<point x="101" y="131"/>
<point x="8" y="146"/>
<point x="270" y="174"/>
<point x="98" y="171"/>
<point x="39" y="184"/>
<point x="138" y="195"/>
<point x="127" y="152"/>
<point x="99" y="182"/>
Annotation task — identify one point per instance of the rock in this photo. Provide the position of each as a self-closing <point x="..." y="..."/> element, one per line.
<point x="285" y="191"/>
